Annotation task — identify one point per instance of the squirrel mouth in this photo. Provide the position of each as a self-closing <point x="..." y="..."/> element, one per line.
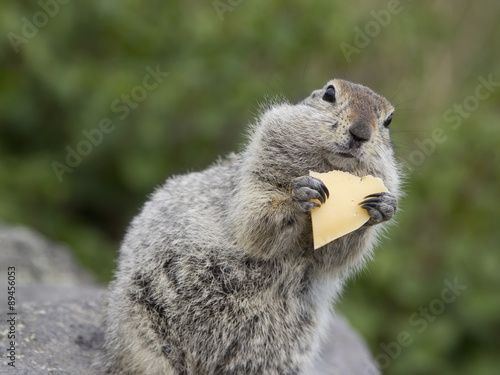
<point x="345" y="154"/>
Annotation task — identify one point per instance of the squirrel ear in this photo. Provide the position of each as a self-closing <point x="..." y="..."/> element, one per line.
<point x="329" y="95"/>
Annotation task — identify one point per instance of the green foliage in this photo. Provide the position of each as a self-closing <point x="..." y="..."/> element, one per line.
<point x="427" y="59"/>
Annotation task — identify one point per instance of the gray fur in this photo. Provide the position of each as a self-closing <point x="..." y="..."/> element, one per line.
<point x="217" y="274"/>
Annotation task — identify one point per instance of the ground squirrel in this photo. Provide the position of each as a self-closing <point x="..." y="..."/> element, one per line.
<point x="217" y="274"/>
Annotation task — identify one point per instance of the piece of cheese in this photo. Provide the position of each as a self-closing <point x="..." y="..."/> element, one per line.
<point x="341" y="213"/>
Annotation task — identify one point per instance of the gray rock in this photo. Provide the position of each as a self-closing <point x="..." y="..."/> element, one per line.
<point x="59" y="321"/>
<point x="58" y="332"/>
<point x="37" y="260"/>
<point x="345" y="353"/>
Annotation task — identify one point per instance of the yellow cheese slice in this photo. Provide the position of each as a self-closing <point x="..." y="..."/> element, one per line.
<point x="341" y="213"/>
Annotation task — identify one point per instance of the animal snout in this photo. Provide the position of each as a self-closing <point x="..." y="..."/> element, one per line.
<point x="361" y="131"/>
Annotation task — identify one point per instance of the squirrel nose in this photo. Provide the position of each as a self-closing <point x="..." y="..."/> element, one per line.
<point x="360" y="130"/>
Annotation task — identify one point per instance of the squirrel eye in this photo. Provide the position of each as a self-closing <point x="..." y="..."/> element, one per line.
<point x="329" y="95"/>
<point x="388" y="120"/>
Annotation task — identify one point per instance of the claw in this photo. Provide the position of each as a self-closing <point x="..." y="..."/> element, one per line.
<point x="368" y="205"/>
<point x="321" y="197"/>
<point x="380" y="206"/>
<point x="374" y="195"/>
<point x="307" y="188"/>
<point x="371" y="200"/>
<point x="315" y="204"/>
<point x="324" y="189"/>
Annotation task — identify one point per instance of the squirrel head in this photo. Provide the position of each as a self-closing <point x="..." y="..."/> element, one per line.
<point x="343" y="126"/>
<point x="352" y="123"/>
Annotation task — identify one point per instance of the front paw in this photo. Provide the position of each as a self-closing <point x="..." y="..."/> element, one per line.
<point x="306" y="188"/>
<point x="381" y="207"/>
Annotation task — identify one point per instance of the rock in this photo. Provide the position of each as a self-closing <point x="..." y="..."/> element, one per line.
<point x="345" y="353"/>
<point x="59" y="315"/>
<point x="59" y="308"/>
<point x="38" y="261"/>
<point x="58" y="332"/>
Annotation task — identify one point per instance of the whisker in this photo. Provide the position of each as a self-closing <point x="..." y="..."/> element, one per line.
<point x="406" y="101"/>
<point x="302" y="91"/>
<point x="398" y="92"/>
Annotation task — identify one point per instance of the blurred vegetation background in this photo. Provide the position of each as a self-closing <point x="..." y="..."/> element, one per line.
<point x="66" y="67"/>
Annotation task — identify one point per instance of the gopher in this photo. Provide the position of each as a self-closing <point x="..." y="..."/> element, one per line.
<point x="218" y="275"/>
